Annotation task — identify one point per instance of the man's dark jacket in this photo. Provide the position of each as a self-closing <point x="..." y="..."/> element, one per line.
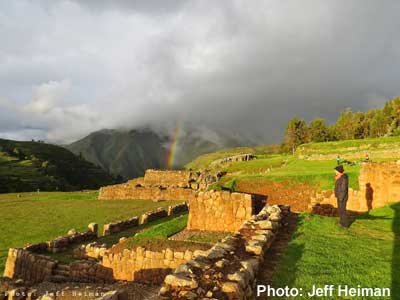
<point x="342" y="188"/>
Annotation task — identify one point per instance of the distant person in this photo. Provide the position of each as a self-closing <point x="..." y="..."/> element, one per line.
<point x="338" y="160"/>
<point x="342" y="194"/>
<point x="366" y="157"/>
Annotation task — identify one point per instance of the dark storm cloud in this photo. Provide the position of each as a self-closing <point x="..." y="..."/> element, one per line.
<point x="71" y="67"/>
<point x="148" y="6"/>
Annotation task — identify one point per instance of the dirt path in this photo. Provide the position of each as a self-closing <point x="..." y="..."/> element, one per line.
<point x="273" y="255"/>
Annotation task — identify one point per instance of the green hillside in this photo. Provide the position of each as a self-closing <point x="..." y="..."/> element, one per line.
<point x="312" y="163"/>
<point x="29" y="166"/>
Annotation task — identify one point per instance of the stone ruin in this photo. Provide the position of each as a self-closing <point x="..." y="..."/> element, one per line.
<point x="162" y="185"/>
<point x="235" y="158"/>
<point x="229" y="269"/>
<point x="226" y="271"/>
<point x="33" y="266"/>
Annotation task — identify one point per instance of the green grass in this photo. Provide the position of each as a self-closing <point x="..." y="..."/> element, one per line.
<point x="155" y="238"/>
<point x="350" y="146"/>
<point x="39" y="217"/>
<point x="295" y="169"/>
<point x="367" y="254"/>
<point x="283" y="168"/>
<point x="161" y="231"/>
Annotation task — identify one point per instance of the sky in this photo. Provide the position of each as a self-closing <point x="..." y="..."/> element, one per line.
<point x="68" y="68"/>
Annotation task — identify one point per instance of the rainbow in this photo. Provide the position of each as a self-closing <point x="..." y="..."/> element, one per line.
<point x="171" y="155"/>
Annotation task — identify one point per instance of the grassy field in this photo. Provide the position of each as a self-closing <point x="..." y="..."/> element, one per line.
<point x="295" y="169"/>
<point x="39" y="217"/>
<point x="350" y="146"/>
<point x="281" y="168"/>
<point x="367" y="254"/>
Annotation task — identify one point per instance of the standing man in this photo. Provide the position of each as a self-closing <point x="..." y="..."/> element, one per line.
<point x="338" y="159"/>
<point x="342" y="194"/>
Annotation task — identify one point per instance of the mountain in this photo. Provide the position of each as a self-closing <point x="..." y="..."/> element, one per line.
<point x="128" y="153"/>
<point x="29" y="166"/>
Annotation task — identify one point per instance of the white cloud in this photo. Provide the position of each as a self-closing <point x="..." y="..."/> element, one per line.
<point x="48" y="96"/>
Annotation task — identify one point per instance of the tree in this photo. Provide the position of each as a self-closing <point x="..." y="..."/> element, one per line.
<point x="378" y="126"/>
<point x="318" y="131"/>
<point x="359" y="125"/>
<point x="296" y="133"/>
<point x="344" y="127"/>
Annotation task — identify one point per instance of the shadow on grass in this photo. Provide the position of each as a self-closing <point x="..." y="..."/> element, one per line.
<point x="396" y="253"/>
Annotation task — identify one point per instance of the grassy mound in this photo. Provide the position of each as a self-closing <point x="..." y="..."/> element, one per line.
<point x="367" y="254"/>
<point x="39" y="217"/>
<point x="28" y="166"/>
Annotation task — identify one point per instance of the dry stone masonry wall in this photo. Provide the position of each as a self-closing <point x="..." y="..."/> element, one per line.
<point x="138" y="264"/>
<point x="229" y="269"/>
<point x="31" y="267"/>
<point x="161" y="185"/>
<point x="235" y="158"/>
<point x="221" y="210"/>
<point x="89" y="271"/>
<point x="172" y="210"/>
<point x="142" y="265"/>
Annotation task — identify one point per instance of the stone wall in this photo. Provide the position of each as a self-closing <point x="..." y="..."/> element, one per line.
<point x="379" y="184"/>
<point x="168" y="179"/>
<point x="61" y="243"/>
<point x="153" y="215"/>
<point x="89" y="271"/>
<point x="115" y="227"/>
<point x="143" y="265"/>
<point x="91" y="250"/>
<point x="162" y="185"/>
<point x="28" y="266"/>
<point x="235" y="158"/>
<point x="127" y="192"/>
<point x="138" y="264"/>
<point x="221" y="210"/>
<point x="172" y="210"/>
<point x="229" y="269"/>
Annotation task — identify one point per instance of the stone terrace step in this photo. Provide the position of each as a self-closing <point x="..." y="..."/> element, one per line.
<point x="63" y="267"/>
